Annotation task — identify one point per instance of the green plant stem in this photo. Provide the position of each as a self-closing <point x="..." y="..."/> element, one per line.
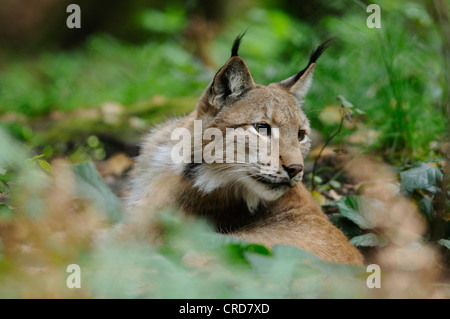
<point x="313" y="183"/>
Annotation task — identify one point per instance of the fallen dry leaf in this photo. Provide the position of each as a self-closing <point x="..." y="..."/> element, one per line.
<point x="115" y="165"/>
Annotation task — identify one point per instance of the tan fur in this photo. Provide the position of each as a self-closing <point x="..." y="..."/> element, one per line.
<point x="299" y="221"/>
<point x="230" y="195"/>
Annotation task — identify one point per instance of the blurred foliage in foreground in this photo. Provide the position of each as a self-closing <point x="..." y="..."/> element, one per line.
<point x="68" y="215"/>
<point x="57" y="216"/>
<point x="77" y="103"/>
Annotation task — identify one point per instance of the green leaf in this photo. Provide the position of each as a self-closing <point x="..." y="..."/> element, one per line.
<point x="359" y="111"/>
<point x="435" y="160"/>
<point x="368" y="240"/>
<point x="349" y="228"/>
<point x="45" y="166"/>
<point x="5" y="212"/>
<point x="92" y="187"/>
<point x="258" y="249"/>
<point x="346" y="104"/>
<point x="7" y="177"/>
<point x="318" y="180"/>
<point x="335" y="184"/>
<point x="93" y="141"/>
<point x="426" y="207"/>
<point x="444" y="242"/>
<point x="420" y="176"/>
<point x="239" y="252"/>
<point x="321" y="200"/>
<point x="37" y="157"/>
<point x="4" y="189"/>
<point x="359" y="210"/>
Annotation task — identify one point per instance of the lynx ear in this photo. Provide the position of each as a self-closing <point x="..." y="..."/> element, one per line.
<point x="233" y="79"/>
<point x="300" y="83"/>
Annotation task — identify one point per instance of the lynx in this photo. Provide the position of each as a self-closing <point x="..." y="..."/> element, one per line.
<point x="263" y="203"/>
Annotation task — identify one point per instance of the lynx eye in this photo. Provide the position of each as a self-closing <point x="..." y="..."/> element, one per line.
<point x="263" y="129"/>
<point x="301" y="135"/>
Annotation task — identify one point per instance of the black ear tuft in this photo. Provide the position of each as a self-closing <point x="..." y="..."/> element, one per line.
<point x="320" y="49"/>
<point x="236" y="44"/>
<point x="315" y="55"/>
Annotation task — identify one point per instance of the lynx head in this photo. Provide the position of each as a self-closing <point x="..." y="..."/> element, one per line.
<point x="267" y="114"/>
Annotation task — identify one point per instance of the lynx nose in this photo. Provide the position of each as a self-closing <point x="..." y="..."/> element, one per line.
<point x="293" y="169"/>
